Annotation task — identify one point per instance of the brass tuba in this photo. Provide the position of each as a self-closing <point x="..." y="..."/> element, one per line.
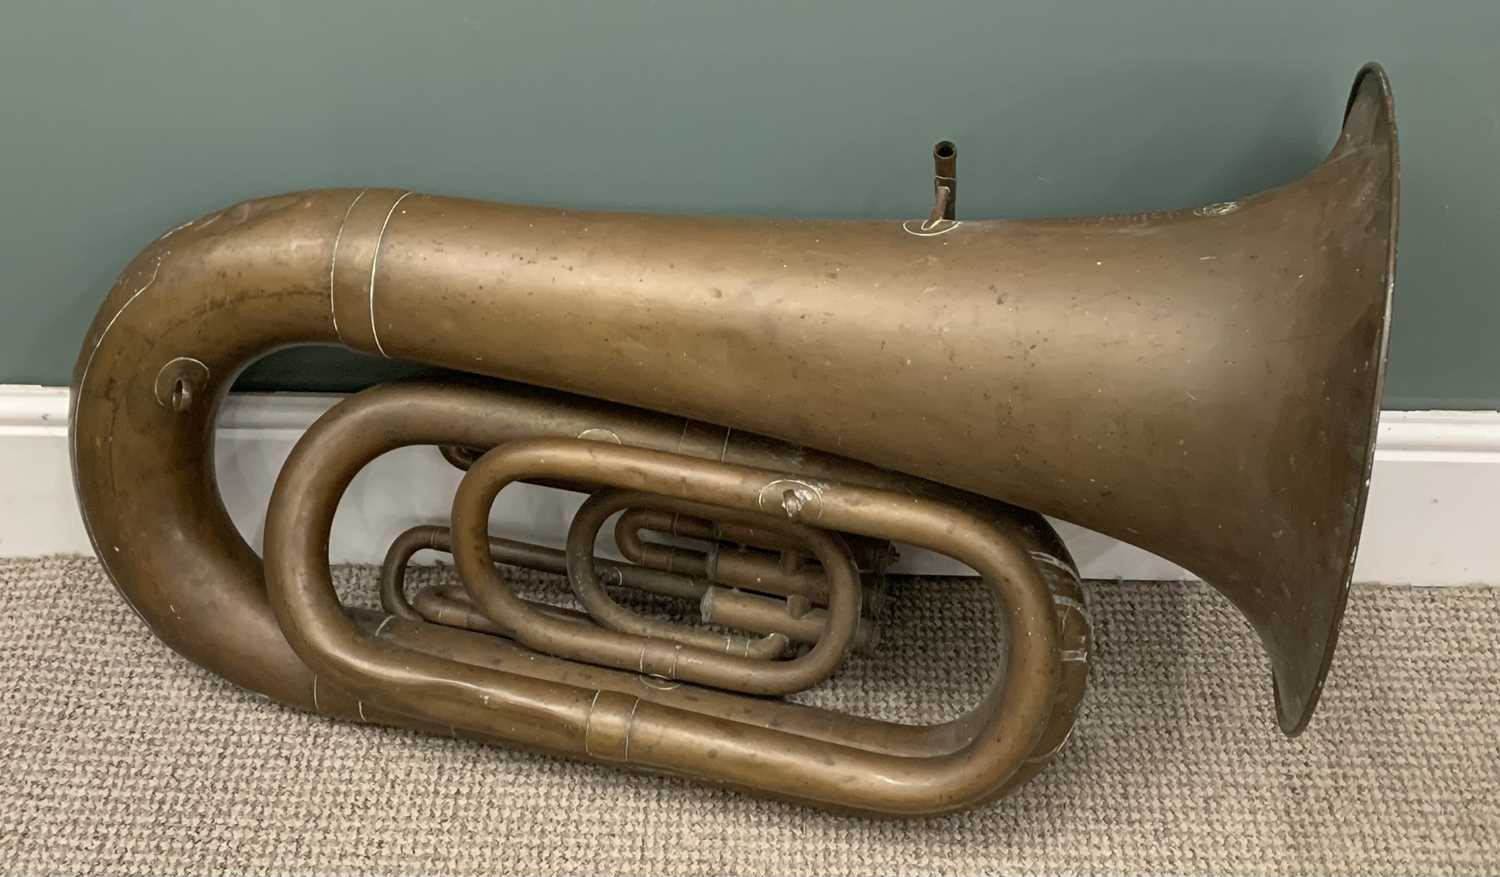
<point x="766" y="405"/>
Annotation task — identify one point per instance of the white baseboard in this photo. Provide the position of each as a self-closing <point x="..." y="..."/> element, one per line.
<point x="1433" y="516"/>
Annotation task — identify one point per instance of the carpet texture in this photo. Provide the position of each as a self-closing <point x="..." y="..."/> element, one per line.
<point x="121" y="757"/>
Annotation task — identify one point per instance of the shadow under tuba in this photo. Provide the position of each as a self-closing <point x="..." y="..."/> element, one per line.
<point x="1201" y="383"/>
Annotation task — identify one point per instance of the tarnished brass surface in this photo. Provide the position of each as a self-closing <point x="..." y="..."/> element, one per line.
<point x="1202" y="383"/>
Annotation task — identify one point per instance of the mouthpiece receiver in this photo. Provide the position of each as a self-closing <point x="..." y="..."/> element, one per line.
<point x="944" y="181"/>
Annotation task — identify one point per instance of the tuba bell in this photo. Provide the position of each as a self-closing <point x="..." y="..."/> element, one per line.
<point x="765" y="406"/>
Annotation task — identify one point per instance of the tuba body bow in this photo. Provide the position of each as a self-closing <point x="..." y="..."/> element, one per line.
<point x="790" y="393"/>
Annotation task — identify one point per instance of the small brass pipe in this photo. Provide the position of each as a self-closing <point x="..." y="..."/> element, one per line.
<point x="944" y="181"/>
<point x="582" y="575"/>
<point x="450" y="606"/>
<point x="784" y="570"/>
<point x="746" y="611"/>
<point x="517" y="553"/>
<point x="743" y="568"/>
<point x="393" y="597"/>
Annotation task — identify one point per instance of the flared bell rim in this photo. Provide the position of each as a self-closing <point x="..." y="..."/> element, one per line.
<point x="1371" y="91"/>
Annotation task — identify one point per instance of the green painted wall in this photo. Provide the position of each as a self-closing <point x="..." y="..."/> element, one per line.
<point x="119" y="120"/>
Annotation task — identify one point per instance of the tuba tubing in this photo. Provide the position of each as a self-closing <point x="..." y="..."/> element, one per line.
<point x="1007" y="727"/>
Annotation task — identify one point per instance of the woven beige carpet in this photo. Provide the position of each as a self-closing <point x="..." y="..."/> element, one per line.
<point x="121" y="757"/>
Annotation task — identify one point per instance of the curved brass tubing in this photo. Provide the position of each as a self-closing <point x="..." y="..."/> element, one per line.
<point x="517" y="553"/>
<point x="779" y="571"/>
<point x="772" y="644"/>
<point x="604" y="723"/>
<point x="591" y="516"/>
<point x="733" y="559"/>
<point x="777" y="621"/>
<point x="754" y="570"/>
<point x="654" y="654"/>
<point x="874" y="734"/>
<point x="779" y="567"/>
